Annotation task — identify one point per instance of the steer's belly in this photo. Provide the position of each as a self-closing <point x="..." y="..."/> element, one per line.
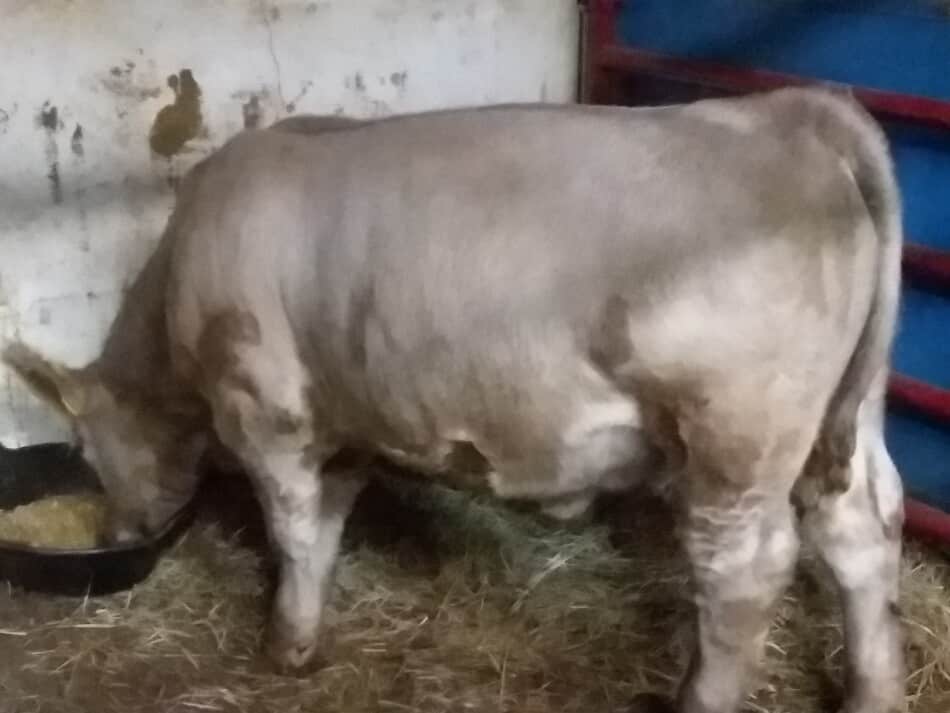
<point x="455" y="463"/>
<point x="604" y="449"/>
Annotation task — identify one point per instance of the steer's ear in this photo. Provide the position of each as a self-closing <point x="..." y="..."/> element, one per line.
<point x="64" y="388"/>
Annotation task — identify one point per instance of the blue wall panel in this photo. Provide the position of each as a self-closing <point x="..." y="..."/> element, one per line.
<point x="921" y="451"/>
<point x="922" y="350"/>
<point x="898" y="45"/>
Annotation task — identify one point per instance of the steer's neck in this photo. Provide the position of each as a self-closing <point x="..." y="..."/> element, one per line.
<point x="135" y="360"/>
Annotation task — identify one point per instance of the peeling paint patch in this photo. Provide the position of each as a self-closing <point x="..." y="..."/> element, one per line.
<point x="251" y="110"/>
<point x="84" y="243"/>
<point x="264" y="11"/>
<point x="76" y="142"/>
<point x="355" y="82"/>
<point x="292" y="104"/>
<point x="398" y="79"/>
<point x="117" y="71"/>
<point x="177" y="123"/>
<point x="48" y="119"/>
<point x="269" y="19"/>
<point x="172" y="179"/>
<point x="380" y="109"/>
<point x="243" y="95"/>
<point x="55" y="183"/>
<point x="121" y="82"/>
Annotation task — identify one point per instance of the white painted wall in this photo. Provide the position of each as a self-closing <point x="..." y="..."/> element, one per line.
<point x="69" y="244"/>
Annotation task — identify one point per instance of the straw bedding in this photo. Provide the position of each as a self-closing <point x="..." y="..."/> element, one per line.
<point x="444" y="602"/>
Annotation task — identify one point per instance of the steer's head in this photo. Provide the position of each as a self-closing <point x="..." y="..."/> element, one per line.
<point x="144" y="447"/>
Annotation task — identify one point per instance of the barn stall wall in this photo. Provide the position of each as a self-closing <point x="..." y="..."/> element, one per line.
<point x="105" y="103"/>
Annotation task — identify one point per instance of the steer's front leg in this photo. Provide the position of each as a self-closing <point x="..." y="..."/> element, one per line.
<point x="266" y="422"/>
<point x="306" y="511"/>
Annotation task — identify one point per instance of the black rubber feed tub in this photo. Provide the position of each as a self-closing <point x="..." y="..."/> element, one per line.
<point x="27" y="474"/>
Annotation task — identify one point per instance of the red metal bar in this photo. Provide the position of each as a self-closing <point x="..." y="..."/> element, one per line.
<point x="927" y="265"/>
<point x="923" y="398"/>
<point x="604" y="13"/>
<point x="926" y="522"/>
<point x="601" y="32"/>
<point x="612" y="56"/>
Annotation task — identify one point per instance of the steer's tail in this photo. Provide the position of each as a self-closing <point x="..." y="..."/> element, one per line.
<point x="850" y="130"/>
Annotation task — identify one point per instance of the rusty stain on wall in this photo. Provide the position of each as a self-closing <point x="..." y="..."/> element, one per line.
<point x="48" y="120"/>
<point x="177" y="123"/>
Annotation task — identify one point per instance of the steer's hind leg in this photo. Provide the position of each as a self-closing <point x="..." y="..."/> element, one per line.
<point x="858" y="534"/>
<point x="739" y="532"/>
<point x="742" y="547"/>
<point x="261" y="413"/>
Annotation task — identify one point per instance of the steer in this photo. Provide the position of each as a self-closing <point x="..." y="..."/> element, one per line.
<point x="577" y="298"/>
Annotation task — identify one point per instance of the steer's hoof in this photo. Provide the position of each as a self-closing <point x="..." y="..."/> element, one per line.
<point x="292" y="654"/>
<point x="879" y="695"/>
<point x="649" y="703"/>
<point x="877" y="706"/>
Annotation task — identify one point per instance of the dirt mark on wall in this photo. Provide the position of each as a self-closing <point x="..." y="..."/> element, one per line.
<point x="177" y="123"/>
